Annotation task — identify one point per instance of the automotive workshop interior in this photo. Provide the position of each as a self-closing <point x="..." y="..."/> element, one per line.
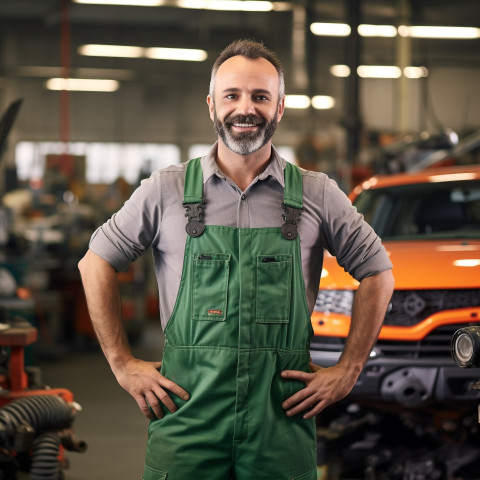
<point x="381" y="95"/>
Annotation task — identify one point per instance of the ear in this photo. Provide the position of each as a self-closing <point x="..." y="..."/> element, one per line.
<point x="281" y="108"/>
<point x="210" y="107"/>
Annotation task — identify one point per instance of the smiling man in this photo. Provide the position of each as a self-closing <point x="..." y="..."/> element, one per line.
<point x="238" y="239"/>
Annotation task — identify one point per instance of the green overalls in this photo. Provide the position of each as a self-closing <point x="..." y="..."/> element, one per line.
<point x="240" y="318"/>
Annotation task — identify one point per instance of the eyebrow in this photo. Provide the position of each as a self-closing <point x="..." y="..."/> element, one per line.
<point x="256" y="91"/>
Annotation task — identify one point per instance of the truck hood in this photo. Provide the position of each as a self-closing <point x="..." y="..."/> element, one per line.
<point x="420" y="265"/>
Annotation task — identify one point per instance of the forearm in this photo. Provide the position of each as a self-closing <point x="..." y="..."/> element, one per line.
<point x="369" y="309"/>
<point x="101" y="288"/>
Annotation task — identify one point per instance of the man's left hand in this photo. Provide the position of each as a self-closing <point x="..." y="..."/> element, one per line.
<point x="323" y="386"/>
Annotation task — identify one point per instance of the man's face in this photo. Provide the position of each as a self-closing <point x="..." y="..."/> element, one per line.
<point x="246" y="107"/>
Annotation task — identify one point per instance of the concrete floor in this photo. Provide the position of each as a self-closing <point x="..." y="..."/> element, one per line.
<point x="110" y="421"/>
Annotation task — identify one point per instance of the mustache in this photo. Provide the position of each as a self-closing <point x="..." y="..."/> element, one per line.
<point x="252" y="119"/>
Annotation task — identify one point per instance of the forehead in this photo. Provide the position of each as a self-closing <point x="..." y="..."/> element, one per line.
<point x="240" y="72"/>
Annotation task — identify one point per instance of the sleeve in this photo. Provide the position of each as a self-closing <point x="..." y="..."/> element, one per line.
<point x="350" y="238"/>
<point x="130" y="231"/>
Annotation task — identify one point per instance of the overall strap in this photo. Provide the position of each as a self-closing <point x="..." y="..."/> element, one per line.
<point x="193" y="198"/>
<point x="292" y="201"/>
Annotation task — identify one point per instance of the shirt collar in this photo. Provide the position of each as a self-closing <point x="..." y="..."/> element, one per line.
<point x="274" y="169"/>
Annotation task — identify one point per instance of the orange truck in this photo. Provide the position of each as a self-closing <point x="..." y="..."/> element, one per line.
<point x="411" y="388"/>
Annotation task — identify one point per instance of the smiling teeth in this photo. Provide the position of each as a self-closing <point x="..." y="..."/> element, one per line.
<point x="244" y="124"/>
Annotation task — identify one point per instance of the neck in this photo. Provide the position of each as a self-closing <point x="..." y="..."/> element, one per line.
<point x="243" y="169"/>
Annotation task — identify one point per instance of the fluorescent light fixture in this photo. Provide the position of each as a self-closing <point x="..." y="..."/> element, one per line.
<point x="378" y="71"/>
<point x="185" y="54"/>
<point x="323" y="102"/>
<point x="366" y="30"/>
<point x="439" y="32"/>
<point x="96" y="50"/>
<point x="340" y="70"/>
<point x="297" y="101"/>
<point x="415" y="72"/>
<point x="159" y="53"/>
<point x="82" y="84"/>
<point x="372" y="71"/>
<point x="330" y="29"/>
<point x="134" y="3"/>
<point x="229" y="5"/>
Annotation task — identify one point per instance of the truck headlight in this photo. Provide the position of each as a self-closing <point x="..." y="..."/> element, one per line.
<point x="466" y="347"/>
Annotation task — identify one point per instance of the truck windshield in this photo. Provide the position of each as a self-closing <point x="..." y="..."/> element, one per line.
<point x="423" y="211"/>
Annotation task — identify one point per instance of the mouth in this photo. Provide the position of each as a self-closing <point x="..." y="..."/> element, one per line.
<point x="244" y="125"/>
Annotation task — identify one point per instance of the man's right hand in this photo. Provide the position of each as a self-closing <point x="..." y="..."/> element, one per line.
<point x="148" y="387"/>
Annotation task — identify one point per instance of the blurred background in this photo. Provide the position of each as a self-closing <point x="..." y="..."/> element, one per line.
<point x="95" y="95"/>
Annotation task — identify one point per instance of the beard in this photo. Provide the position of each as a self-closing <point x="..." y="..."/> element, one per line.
<point x="244" y="143"/>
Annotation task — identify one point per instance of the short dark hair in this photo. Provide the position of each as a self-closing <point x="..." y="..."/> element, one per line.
<point x="252" y="50"/>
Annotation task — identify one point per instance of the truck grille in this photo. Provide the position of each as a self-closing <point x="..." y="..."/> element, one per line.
<point x="435" y="344"/>
<point x="409" y="307"/>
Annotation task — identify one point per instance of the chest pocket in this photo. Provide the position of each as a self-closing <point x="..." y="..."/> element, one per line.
<point x="211" y="272"/>
<point x="274" y="287"/>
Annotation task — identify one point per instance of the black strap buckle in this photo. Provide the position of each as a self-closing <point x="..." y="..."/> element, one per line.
<point x="291" y="218"/>
<point x="195" y="227"/>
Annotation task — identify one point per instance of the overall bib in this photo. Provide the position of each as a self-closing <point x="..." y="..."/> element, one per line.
<point x="240" y="318"/>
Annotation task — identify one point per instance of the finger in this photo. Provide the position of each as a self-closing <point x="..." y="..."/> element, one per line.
<point x="163" y="396"/>
<point x="157" y="365"/>
<point x="152" y="400"/>
<point x="174" y="388"/>
<point x="314" y="368"/>
<point x="306" y="404"/>
<point x="316" y="410"/>
<point x="142" y="405"/>
<point x="296" y="375"/>
<point x="295" y="399"/>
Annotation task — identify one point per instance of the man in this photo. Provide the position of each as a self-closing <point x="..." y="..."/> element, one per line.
<point x="236" y="396"/>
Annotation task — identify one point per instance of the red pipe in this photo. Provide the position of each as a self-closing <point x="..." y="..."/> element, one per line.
<point x="65" y="67"/>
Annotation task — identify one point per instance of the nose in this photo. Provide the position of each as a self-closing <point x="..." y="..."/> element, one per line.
<point x="245" y="105"/>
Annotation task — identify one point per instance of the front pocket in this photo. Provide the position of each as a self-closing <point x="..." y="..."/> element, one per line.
<point x="210" y="286"/>
<point x="310" y="475"/>
<point x="274" y="286"/>
<point x="152" y="474"/>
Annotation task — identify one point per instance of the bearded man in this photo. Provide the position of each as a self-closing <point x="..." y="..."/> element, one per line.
<point x="238" y="238"/>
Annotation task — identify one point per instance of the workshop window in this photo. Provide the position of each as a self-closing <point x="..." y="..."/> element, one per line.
<point x="104" y="161"/>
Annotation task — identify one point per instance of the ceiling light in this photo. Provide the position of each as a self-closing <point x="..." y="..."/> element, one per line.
<point x="134" y="3"/>
<point x="366" y="30"/>
<point x="340" y="70"/>
<point x="159" y="53"/>
<point x="331" y="29"/>
<point x="415" y="72"/>
<point x="439" y="32"/>
<point x="230" y="5"/>
<point x="323" y="102"/>
<point x="372" y="71"/>
<point x="96" y="50"/>
<point x="378" y="71"/>
<point x="185" y="54"/>
<point x="297" y="101"/>
<point x="82" y="85"/>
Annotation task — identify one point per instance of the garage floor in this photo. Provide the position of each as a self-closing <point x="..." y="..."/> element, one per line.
<point x="110" y="422"/>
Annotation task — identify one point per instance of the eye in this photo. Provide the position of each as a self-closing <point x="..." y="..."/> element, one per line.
<point x="231" y="96"/>
<point x="261" y="98"/>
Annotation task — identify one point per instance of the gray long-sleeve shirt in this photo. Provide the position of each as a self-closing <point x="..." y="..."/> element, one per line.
<point x="154" y="216"/>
